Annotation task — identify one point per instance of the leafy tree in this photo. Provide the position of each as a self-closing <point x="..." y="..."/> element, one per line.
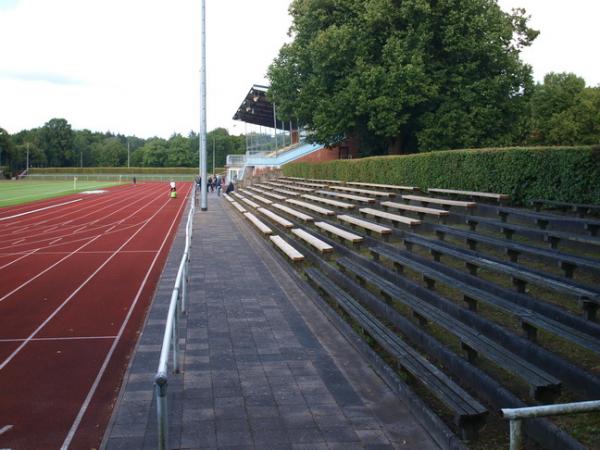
<point x="405" y="74"/>
<point x="179" y="152"/>
<point x="154" y="153"/>
<point x="110" y="152"/>
<point x="565" y="111"/>
<point x="6" y="148"/>
<point x="56" y="140"/>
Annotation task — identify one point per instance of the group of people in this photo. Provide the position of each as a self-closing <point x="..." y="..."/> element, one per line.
<point x="216" y="183"/>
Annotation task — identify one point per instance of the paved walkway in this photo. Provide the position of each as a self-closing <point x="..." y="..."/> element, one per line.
<point x="263" y="367"/>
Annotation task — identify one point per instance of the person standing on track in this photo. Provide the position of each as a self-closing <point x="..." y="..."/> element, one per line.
<point x="134" y="180"/>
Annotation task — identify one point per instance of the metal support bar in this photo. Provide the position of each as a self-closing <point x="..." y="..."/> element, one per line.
<point x="515" y="415"/>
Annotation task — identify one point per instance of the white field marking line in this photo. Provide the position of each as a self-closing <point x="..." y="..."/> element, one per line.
<point x="6" y="428"/>
<point x="62" y="259"/>
<point x="70" y="190"/>
<point x="18" y="242"/>
<point x="70" y="297"/>
<point x="90" y="252"/>
<point x="71" y="338"/>
<point x="54" y="241"/>
<point x="128" y="203"/>
<point x="103" y="203"/>
<point x="94" y="205"/>
<point x="144" y="197"/>
<point x="38" y="210"/>
<point x="92" y="390"/>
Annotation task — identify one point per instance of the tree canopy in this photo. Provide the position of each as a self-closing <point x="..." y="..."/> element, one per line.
<point x="56" y="144"/>
<point x="405" y="75"/>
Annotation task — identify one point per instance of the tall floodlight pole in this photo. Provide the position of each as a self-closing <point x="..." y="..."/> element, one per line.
<point x="203" y="175"/>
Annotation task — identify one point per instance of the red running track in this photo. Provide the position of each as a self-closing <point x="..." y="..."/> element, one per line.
<point x="77" y="275"/>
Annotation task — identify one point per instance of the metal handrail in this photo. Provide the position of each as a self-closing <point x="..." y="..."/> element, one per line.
<point x="171" y="336"/>
<point x="516" y="415"/>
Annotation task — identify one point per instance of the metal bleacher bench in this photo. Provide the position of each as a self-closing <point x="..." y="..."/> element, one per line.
<point x="543" y="386"/>
<point x="567" y="262"/>
<point x="469" y="414"/>
<point x="432" y="272"/>
<point x="579" y="208"/>
<point x="589" y="298"/>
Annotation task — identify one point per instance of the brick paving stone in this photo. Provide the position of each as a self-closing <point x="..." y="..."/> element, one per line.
<point x="262" y="367"/>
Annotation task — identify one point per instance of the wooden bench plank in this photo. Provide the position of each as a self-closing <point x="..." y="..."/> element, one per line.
<point x="250" y="203"/>
<point x="439" y="201"/>
<point x="336" y="203"/>
<point x="379" y="229"/>
<point x="287" y="249"/>
<point x="469" y="414"/>
<point x="430" y="273"/>
<point x="292" y="212"/>
<point x="492" y="195"/>
<point x="543" y="386"/>
<point x="343" y="234"/>
<point x="315" y="208"/>
<point x="286" y="192"/>
<point x="317" y="243"/>
<point x="355" y="198"/>
<point x="276" y="218"/>
<point x="395" y="218"/>
<point x="239" y="207"/>
<point x="264" y="229"/>
<point x="363" y="191"/>
<point x="421" y="210"/>
<point x="393" y="187"/>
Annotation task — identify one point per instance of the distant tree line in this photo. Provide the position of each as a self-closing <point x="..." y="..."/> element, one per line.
<point x="403" y="77"/>
<point x="56" y="144"/>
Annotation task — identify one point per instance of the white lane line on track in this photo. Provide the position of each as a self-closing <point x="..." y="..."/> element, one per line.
<point x="92" y="390"/>
<point x="6" y="428"/>
<point x="70" y="297"/>
<point x="18" y="259"/>
<point x="38" y="210"/>
<point x="66" y="338"/>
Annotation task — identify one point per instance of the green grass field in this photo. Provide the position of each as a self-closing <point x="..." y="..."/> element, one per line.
<point x="18" y="192"/>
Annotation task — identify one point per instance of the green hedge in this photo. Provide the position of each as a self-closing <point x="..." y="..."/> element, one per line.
<point x="570" y="174"/>
<point x="115" y="170"/>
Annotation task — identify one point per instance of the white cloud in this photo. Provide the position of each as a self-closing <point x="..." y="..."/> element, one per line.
<point x="132" y="66"/>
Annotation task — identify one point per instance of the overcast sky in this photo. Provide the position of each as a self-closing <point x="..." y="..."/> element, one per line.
<point x="132" y="66"/>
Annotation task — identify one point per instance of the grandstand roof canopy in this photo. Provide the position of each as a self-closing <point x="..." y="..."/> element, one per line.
<point x="257" y="110"/>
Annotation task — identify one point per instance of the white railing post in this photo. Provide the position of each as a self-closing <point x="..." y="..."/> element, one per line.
<point x="160" y="384"/>
<point x="516" y="416"/>
<point x="171" y="336"/>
